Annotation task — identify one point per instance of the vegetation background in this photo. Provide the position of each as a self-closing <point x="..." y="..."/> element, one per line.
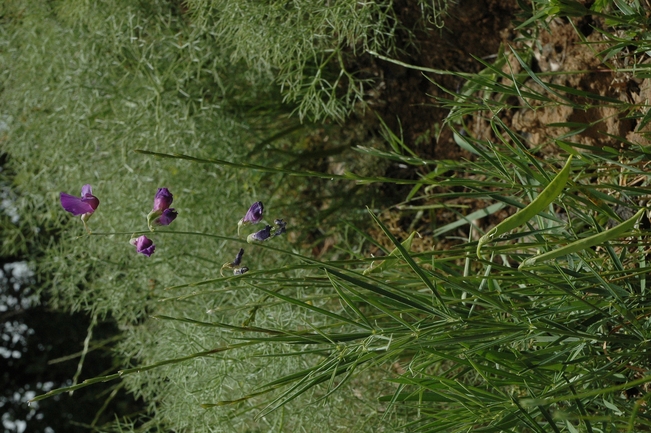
<point x="390" y="138"/>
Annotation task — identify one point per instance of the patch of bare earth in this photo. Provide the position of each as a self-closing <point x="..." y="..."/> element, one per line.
<point x="561" y="49"/>
<point x="409" y="100"/>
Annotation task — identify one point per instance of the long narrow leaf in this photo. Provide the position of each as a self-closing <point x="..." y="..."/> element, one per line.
<point x="308" y="306"/>
<point x="588" y="242"/>
<point x="417" y="269"/>
<point x="548" y="195"/>
<point x="246" y="166"/>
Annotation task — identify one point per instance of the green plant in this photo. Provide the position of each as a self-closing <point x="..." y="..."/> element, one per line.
<point x="418" y="339"/>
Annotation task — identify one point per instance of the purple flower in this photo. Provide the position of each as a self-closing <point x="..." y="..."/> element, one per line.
<point x="235" y="263"/>
<point x="162" y="200"/>
<point x="144" y="245"/>
<point x="260" y="236"/>
<point x="86" y="204"/>
<point x="166" y="218"/>
<point x="238" y="258"/>
<point x="162" y="214"/>
<point x="253" y="215"/>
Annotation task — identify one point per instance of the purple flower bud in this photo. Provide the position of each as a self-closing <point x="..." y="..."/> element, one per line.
<point x="162" y="200"/>
<point x="253" y="215"/>
<point x="238" y="258"/>
<point x="84" y="205"/>
<point x="144" y="245"/>
<point x="161" y="214"/>
<point x="166" y="218"/>
<point x="260" y="236"/>
<point x="234" y="264"/>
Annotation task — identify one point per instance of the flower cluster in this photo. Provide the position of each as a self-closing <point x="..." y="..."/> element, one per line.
<point x="160" y="215"/>
<point x="268" y="232"/>
<point x="254" y="216"/>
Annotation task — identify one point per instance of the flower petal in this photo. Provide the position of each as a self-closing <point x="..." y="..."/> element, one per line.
<point x="145" y="246"/>
<point x="86" y="190"/>
<point x="280" y="227"/>
<point x="240" y="271"/>
<point x="259" y="236"/>
<point x="238" y="258"/>
<point x="167" y="217"/>
<point x="148" y="251"/>
<point x="76" y="205"/>
<point x="163" y="200"/>
<point x="92" y="201"/>
<point x="254" y="214"/>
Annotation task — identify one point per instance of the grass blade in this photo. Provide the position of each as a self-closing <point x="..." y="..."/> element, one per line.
<point x="588" y="242"/>
<point x="417" y="269"/>
<point x="548" y="195"/>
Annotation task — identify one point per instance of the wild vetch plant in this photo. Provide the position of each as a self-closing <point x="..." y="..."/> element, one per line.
<point x="483" y="343"/>
<point x="531" y="315"/>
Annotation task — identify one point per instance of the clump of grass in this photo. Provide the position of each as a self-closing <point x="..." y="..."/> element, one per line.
<point x="478" y="342"/>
